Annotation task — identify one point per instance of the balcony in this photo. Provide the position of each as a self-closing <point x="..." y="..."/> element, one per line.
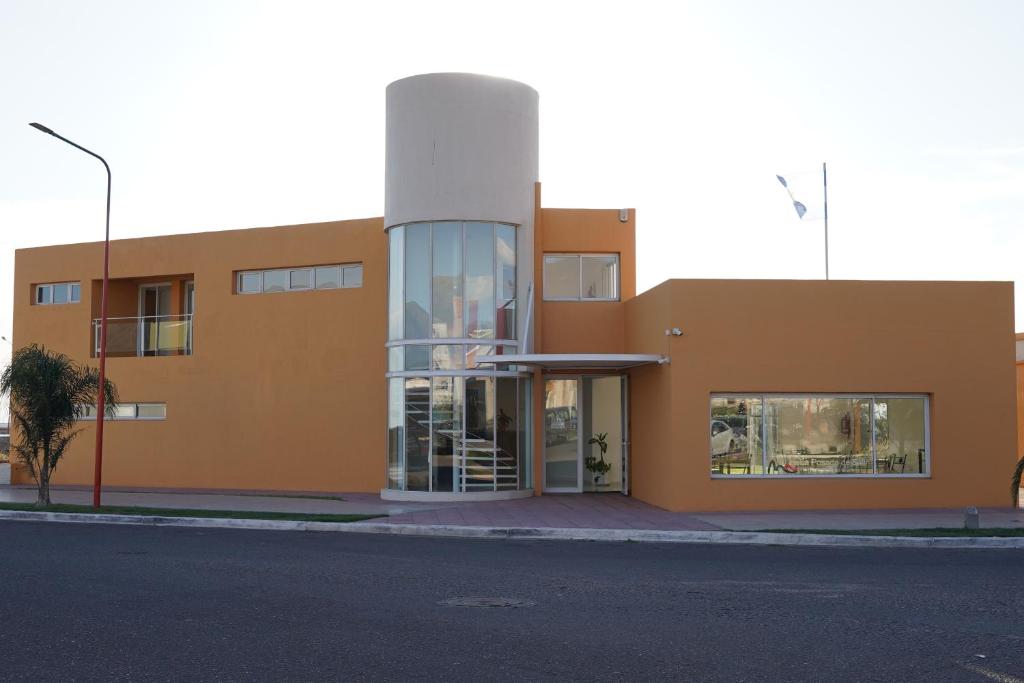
<point x="161" y="335"/>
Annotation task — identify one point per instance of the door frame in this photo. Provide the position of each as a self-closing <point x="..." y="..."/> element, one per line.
<point x="624" y="403"/>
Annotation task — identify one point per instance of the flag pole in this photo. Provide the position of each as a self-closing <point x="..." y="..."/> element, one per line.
<point x="824" y="184"/>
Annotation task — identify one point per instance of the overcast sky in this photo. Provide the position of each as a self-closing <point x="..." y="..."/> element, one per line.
<point x="220" y="115"/>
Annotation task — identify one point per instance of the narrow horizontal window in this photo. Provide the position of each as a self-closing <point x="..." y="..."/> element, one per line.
<point x="127" y="411"/>
<point x="819" y="435"/>
<point x="299" y="279"/>
<point x="58" y="293"/>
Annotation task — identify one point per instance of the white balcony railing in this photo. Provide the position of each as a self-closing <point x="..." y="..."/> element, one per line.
<point x="159" y="335"/>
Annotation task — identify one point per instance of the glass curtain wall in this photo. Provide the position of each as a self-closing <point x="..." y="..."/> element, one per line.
<point x="453" y="426"/>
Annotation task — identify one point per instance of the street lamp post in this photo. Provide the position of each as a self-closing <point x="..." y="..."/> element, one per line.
<point x="100" y="393"/>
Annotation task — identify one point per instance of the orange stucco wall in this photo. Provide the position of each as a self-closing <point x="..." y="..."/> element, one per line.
<point x="284" y="391"/>
<point x="951" y="340"/>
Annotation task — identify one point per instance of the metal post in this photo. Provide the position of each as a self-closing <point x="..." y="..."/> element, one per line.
<point x="100" y="393"/>
<point x="824" y="183"/>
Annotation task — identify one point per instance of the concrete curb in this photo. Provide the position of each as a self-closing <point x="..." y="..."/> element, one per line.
<point x="555" y="534"/>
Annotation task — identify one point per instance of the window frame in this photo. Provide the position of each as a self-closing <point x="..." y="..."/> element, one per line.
<point x="311" y="270"/>
<point x="875" y="474"/>
<point x="579" y="275"/>
<point x="50" y="288"/>
<point x="135" y="417"/>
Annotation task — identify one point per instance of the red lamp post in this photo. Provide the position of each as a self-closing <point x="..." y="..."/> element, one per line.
<point x="100" y="394"/>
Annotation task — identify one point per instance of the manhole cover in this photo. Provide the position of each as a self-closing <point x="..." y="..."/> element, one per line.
<point x="485" y="602"/>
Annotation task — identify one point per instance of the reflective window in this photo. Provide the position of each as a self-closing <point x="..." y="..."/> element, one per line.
<point x="275" y="280"/>
<point x="249" y="283"/>
<point x="447" y="284"/>
<point x="480" y="306"/>
<point x="396" y="433"/>
<point x="299" y="279"/>
<point x="505" y="272"/>
<point x="417" y="281"/>
<point x="127" y="411"/>
<point x="446" y="418"/>
<point x="581" y="277"/>
<point x="59" y="293"/>
<point x="447" y="357"/>
<point x="396" y="282"/>
<point x="561" y="277"/>
<point x="818" y="435"/>
<point x="328" y="277"/>
<point x="417" y="434"/>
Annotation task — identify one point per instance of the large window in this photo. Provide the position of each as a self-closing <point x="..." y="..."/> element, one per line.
<point x="299" y="279"/>
<point x="58" y="293"/>
<point x="819" y="435"/>
<point x="581" y="277"/>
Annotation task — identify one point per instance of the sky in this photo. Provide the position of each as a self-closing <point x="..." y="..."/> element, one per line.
<point x="217" y="115"/>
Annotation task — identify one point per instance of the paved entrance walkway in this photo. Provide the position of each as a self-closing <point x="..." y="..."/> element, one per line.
<point x="565" y="511"/>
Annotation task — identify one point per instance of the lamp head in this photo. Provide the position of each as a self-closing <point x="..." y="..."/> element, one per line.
<point x="41" y="127"/>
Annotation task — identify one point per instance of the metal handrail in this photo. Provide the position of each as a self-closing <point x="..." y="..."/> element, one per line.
<point x="147" y="317"/>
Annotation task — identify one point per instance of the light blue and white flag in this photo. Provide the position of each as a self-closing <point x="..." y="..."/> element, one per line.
<point x="808" y="187"/>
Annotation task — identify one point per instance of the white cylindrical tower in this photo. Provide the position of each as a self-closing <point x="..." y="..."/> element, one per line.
<point x="461" y="169"/>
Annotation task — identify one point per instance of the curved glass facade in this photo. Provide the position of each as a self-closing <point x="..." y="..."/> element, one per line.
<point x="452" y="426"/>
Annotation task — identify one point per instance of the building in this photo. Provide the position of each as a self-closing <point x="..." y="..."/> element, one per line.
<point x="474" y="344"/>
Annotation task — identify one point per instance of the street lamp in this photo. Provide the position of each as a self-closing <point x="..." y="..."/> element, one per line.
<point x="100" y="394"/>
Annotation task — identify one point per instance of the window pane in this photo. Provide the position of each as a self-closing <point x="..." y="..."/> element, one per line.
<point x="152" y="411"/>
<point x="417" y="357"/>
<point x="480" y="308"/>
<point x="447" y="280"/>
<point x="396" y="358"/>
<point x="446" y="417"/>
<point x="818" y="435"/>
<point x="275" y="280"/>
<point x="249" y="282"/>
<point x="396" y="278"/>
<point x="736" y="435"/>
<point x="76" y="293"/>
<point x="479" y="469"/>
<point x="561" y="277"/>
<point x="600" y="277"/>
<point x="417" y="281"/>
<point x="417" y="434"/>
<point x="447" y="357"/>
<point x="60" y="294"/>
<point x="43" y="294"/>
<point x="353" y="276"/>
<point x="396" y="434"/>
<point x="506" y="434"/>
<point x="474" y="351"/>
<point x="900" y="435"/>
<point x="561" y="438"/>
<point x="124" y="411"/>
<point x="300" y="279"/>
<point x="505" y="262"/>
<point x="328" y="277"/>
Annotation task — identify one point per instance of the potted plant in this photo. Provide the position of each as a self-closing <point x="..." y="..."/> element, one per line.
<point x="598" y="466"/>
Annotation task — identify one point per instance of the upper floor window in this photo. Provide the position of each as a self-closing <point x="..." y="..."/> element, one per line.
<point x="58" y="293"/>
<point x="581" y="277"/>
<point x="299" y="279"/>
<point x="128" y="411"/>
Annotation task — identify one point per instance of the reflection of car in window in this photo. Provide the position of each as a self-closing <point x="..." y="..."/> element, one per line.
<point x="723" y="440"/>
<point x="560" y="424"/>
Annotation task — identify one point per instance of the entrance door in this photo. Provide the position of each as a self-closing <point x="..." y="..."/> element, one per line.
<point x="154" y="306"/>
<point x="581" y="414"/>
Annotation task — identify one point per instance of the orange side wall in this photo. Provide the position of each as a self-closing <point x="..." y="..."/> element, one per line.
<point x="284" y="391"/>
<point x="951" y="340"/>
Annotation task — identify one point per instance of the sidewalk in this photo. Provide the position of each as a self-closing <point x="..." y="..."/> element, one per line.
<point x="566" y="511"/>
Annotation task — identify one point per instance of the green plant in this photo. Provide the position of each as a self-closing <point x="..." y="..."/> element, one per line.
<point x="1015" y="482"/>
<point x="599" y="466"/>
<point x="48" y="394"/>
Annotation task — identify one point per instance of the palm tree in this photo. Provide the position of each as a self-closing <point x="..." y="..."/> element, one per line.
<point x="1015" y="483"/>
<point x="49" y="393"/>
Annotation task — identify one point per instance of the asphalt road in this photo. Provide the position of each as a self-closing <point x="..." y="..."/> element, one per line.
<point x="81" y="602"/>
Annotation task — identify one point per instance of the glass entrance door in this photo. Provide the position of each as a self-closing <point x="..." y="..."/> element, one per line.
<point x="154" y="307"/>
<point x="562" y="465"/>
<point x="581" y="414"/>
